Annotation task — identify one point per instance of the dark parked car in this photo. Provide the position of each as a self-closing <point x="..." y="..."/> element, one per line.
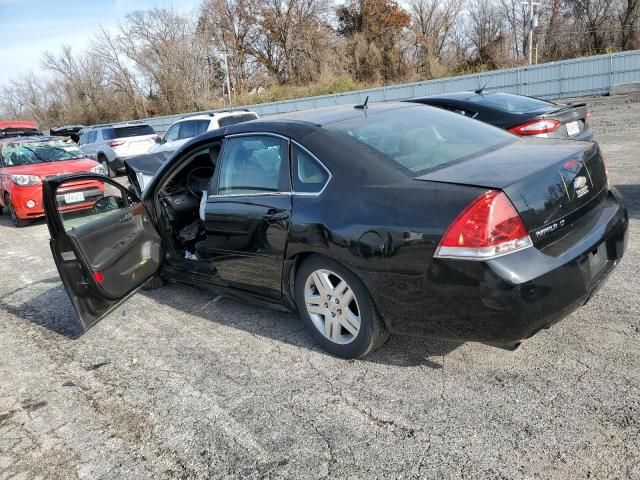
<point x="72" y="131"/>
<point x="397" y="218"/>
<point x="524" y="116"/>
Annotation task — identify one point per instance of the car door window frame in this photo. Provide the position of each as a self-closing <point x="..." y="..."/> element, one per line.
<point x="286" y="161"/>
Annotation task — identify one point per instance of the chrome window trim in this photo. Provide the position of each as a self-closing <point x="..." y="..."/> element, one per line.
<point x="294" y="167"/>
<point x="261" y="194"/>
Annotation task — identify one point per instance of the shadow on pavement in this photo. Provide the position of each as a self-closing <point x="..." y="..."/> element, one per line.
<point x="50" y="309"/>
<point x="285" y="327"/>
<point x="631" y="194"/>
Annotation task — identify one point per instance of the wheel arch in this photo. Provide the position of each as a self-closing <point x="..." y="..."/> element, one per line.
<point x="296" y="260"/>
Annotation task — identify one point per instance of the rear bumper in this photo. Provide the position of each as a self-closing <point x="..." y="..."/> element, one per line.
<point x="508" y="299"/>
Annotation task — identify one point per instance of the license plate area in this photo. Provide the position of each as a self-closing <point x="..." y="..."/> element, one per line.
<point x="573" y="128"/>
<point x="598" y="259"/>
<point x="73" y="197"/>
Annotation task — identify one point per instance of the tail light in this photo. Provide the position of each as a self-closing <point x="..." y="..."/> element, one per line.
<point x="536" y="127"/>
<point x="116" y="143"/>
<point x="488" y="228"/>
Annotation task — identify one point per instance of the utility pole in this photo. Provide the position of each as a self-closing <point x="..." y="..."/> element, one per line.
<point x="226" y="69"/>
<point x="532" y="22"/>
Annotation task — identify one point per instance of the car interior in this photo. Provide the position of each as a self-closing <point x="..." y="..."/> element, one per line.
<point x="182" y="199"/>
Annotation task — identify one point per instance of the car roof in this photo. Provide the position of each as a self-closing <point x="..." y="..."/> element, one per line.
<point x="329" y="115"/>
<point x="447" y="96"/>
<point x="215" y="115"/>
<point x="66" y="127"/>
<point x="29" y="139"/>
<point x="17" y="124"/>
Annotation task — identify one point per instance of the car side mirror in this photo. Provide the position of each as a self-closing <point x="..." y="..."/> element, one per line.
<point x="158" y="140"/>
<point x="106" y="204"/>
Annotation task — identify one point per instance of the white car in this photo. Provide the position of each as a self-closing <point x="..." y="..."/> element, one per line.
<point x="188" y="127"/>
<point x="111" y="145"/>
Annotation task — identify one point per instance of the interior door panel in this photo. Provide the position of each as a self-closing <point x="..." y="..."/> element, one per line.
<point x="104" y="249"/>
<point x="123" y="246"/>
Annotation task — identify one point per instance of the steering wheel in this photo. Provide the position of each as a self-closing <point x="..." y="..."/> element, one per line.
<point x="198" y="180"/>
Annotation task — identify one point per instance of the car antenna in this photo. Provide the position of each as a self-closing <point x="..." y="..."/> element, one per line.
<point x="364" y="105"/>
<point x="480" y="91"/>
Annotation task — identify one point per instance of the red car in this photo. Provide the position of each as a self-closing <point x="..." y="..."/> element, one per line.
<point x="18" y="129"/>
<point x="26" y="161"/>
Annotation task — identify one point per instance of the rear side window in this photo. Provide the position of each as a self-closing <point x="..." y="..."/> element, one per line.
<point x="133" y="131"/>
<point x="108" y="134"/>
<point x="308" y="175"/>
<point x="201" y="126"/>
<point x="510" y="103"/>
<point x="420" y="139"/>
<point x="245" y="117"/>
<point x="91" y="136"/>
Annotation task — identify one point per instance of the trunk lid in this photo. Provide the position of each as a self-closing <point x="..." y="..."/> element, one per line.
<point x="572" y="118"/>
<point x="552" y="184"/>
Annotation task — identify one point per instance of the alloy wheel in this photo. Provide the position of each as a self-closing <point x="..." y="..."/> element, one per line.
<point x="332" y="306"/>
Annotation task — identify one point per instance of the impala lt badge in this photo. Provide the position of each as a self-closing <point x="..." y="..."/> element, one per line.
<point x="580" y="186"/>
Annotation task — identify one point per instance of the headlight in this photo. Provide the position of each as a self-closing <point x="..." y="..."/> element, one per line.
<point x="99" y="169"/>
<point x="25" y="180"/>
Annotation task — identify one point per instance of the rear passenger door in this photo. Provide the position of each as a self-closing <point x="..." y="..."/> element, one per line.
<point x="247" y="217"/>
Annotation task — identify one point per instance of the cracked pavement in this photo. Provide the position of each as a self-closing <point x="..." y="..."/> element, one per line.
<point x="178" y="383"/>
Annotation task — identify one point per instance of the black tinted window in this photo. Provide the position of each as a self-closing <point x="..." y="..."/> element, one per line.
<point x="420" y="139"/>
<point x="308" y="175"/>
<point x="202" y="126"/>
<point x="254" y="164"/>
<point x="108" y="134"/>
<point x="245" y="117"/>
<point x="133" y="131"/>
<point x="510" y="103"/>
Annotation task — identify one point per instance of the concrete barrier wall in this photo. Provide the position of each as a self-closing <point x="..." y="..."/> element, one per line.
<point x="596" y="75"/>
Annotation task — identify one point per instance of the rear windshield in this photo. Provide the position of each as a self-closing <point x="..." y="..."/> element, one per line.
<point x="420" y="139"/>
<point x="18" y="132"/>
<point x="28" y="153"/>
<point x="510" y="103"/>
<point x="123" y="132"/>
<point x="245" y="117"/>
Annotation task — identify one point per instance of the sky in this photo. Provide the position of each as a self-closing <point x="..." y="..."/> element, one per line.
<point x="28" y="28"/>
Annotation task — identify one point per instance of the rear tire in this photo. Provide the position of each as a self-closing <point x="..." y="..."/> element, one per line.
<point x="337" y="309"/>
<point x="105" y="164"/>
<point x="17" y="221"/>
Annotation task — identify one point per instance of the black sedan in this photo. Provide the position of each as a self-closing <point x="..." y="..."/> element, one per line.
<point x="396" y="218"/>
<point x="524" y="116"/>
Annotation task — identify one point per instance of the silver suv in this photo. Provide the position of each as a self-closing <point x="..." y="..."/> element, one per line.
<point x="186" y="128"/>
<point x="111" y="145"/>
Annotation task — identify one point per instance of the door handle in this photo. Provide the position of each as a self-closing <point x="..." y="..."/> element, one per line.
<point x="276" y="215"/>
<point x="126" y="217"/>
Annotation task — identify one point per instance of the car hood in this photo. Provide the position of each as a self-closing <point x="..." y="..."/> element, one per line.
<point x="46" y="169"/>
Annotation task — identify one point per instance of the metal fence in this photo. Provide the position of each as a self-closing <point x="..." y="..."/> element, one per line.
<point x="569" y="78"/>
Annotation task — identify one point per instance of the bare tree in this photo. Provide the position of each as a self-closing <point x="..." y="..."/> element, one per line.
<point x="433" y="23"/>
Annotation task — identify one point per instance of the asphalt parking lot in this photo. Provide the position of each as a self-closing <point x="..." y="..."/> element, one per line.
<point x="180" y="384"/>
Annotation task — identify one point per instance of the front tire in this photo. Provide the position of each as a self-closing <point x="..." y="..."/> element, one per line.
<point x="337" y="309"/>
<point x="17" y="221"/>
